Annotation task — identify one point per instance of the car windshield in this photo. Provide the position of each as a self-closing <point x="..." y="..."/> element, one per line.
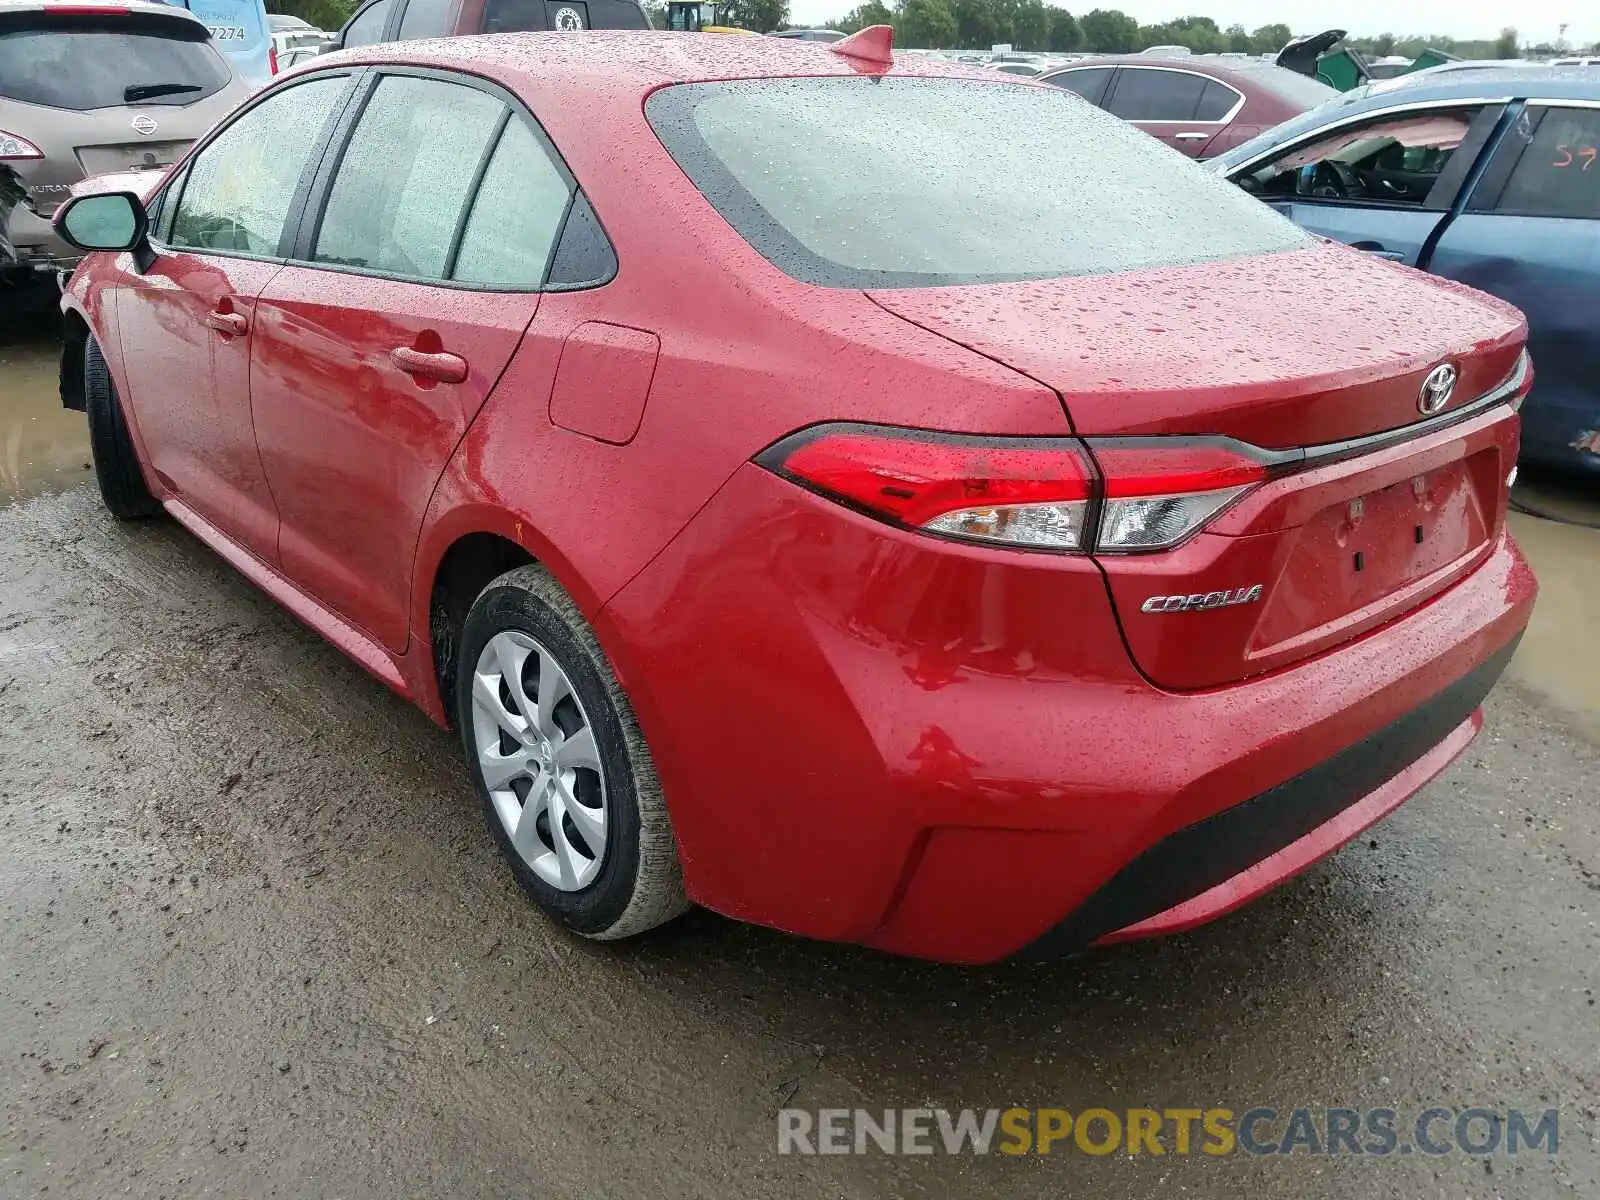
<point x="66" y="67"/>
<point x="866" y="182"/>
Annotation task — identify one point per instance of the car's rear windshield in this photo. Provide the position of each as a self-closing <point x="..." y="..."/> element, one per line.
<point x="85" y="65"/>
<point x="1293" y="87"/>
<point x="877" y="183"/>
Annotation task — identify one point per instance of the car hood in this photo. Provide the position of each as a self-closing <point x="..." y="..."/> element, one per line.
<point x="1291" y="349"/>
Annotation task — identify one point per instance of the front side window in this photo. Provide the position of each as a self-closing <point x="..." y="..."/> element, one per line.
<point x="403" y="181"/>
<point x="1395" y="160"/>
<point x="64" y="63"/>
<point x="1558" y="171"/>
<point x="240" y="187"/>
<point x="1146" y="94"/>
<point x="862" y="182"/>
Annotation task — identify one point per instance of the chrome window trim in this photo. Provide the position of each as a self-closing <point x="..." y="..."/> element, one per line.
<point x="1374" y="114"/>
<point x="1550" y="102"/>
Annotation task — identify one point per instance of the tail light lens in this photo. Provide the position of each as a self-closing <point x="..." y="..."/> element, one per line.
<point x="1023" y="491"/>
<point x="272" y="59"/>
<point x="1121" y="495"/>
<point x="1159" y="491"/>
<point x="14" y="147"/>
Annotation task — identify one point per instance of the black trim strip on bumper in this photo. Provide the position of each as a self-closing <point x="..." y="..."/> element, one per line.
<point x="1198" y="857"/>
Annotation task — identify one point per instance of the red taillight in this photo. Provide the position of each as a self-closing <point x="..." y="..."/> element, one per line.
<point x="272" y="59"/>
<point x="1168" y="466"/>
<point x="1025" y="491"/>
<point x="1149" y="493"/>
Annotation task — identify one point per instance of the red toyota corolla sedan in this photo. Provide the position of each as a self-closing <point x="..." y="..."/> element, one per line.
<point x="887" y="502"/>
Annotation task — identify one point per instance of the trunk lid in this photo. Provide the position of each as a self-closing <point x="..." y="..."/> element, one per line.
<point x="1285" y="352"/>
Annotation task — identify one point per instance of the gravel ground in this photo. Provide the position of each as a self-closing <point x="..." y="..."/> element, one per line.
<point x="255" y="941"/>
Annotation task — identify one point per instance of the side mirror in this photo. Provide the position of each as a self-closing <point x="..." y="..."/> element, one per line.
<point x="111" y="221"/>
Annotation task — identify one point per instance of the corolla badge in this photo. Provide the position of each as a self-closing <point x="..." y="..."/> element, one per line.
<point x="1200" y="601"/>
<point x="143" y="125"/>
<point x="1437" y="389"/>
<point x="568" y="20"/>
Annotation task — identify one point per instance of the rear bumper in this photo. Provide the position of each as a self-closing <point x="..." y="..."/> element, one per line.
<point x="866" y="735"/>
<point x="1211" y="867"/>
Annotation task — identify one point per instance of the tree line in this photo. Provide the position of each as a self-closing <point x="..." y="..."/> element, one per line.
<point x="1035" y="25"/>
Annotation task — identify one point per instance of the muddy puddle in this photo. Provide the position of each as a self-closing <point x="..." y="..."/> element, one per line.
<point x="43" y="447"/>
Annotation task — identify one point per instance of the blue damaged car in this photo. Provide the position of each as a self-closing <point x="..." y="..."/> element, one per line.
<point x="1490" y="176"/>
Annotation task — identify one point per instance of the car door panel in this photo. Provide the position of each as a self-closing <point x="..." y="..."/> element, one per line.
<point x="1530" y="235"/>
<point x="352" y="442"/>
<point x="369" y="367"/>
<point x="188" y="381"/>
<point x="1389" y="231"/>
<point x="1165" y="103"/>
<point x="187" y="341"/>
<point x="1550" y="269"/>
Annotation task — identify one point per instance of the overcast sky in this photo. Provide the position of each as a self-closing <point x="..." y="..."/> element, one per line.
<point x="1536" y="20"/>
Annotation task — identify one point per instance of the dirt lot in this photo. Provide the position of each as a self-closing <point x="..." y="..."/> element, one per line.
<point x="254" y="939"/>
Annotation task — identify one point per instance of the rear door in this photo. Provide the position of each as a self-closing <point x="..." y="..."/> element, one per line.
<point x="1184" y="109"/>
<point x="1384" y="182"/>
<point x="419" y="265"/>
<point x="1530" y="234"/>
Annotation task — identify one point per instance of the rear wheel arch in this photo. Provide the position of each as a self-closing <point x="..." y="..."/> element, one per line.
<point x="467" y="565"/>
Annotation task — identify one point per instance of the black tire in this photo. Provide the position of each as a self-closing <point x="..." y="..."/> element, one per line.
<point x="116" y="466"/>
<point x="640" y="881"/>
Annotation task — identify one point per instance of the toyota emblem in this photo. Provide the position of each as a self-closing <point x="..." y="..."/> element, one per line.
<point x="1437" y="389"/>
<point x="143" y="125"/>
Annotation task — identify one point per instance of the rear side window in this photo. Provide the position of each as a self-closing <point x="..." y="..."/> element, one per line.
<point x="1216" y="102"/>
<point x="1144" y="94"/>
<point x="1090" y="84"/>
<point x="241" y="186"/>
<point x="401" y="187"/>
<point x="1558" y="172"/>
<point x="515" y="215"/>
<point x="66" y="63"/>
<point x="858" y="182"/>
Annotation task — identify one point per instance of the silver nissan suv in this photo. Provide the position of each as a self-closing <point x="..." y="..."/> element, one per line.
<point x="87" y="89"/>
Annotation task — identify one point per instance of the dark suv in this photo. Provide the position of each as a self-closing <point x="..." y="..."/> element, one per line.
<point x="90" y="90"/>
<point x="403" y="20"/>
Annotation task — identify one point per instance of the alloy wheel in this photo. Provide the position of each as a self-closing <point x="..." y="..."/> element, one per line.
<point x="537" y="753"/>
